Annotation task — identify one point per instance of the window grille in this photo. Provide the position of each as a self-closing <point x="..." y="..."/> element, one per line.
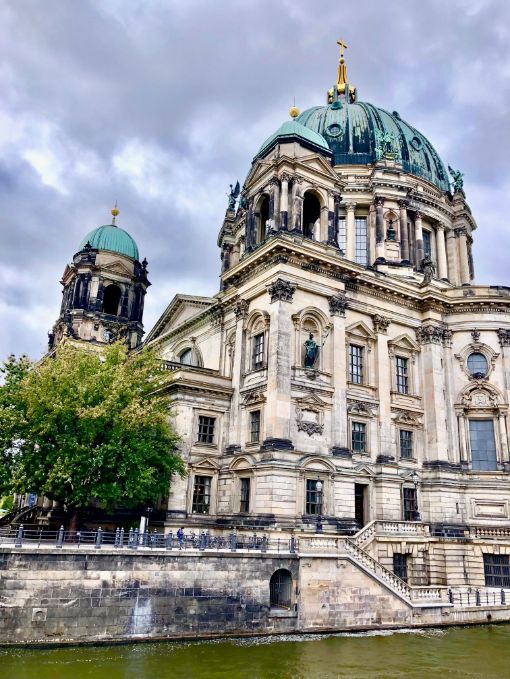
<point x="255" y="426"/>
<point x="245" y="495"/>
<point x="406" y="443"/>
<point x="401" y="365"/>
<point x="483" y="445"/>
<point x="280" y="589"/>
<point x="313" y="497"/>
<point x="258" y="351"/>
<point x="496" y="570"/>
<point x="355" y="364"/>
<point x="361" y="255"/>
<point x="410" y="504"/>
<point x="206" y="429"/>
<point x="400" y="566"/>
<point x="359" y="437"/>
<point x="201" y="495"/>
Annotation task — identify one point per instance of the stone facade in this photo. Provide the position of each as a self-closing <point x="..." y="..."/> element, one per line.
<point x="398" y="409"/>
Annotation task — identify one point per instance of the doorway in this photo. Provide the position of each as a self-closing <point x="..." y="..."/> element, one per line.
<point x="360" y="504"/>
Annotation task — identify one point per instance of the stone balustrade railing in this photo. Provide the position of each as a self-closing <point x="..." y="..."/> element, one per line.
<point x="378" y="527"/>
<point x="490" y="532"/>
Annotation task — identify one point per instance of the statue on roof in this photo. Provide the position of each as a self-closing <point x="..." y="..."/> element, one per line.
<point x="232" y="196"/>
<point x="458" y="182"/>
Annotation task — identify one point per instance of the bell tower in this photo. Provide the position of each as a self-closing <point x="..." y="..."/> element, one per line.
<point x="103" y="290"/>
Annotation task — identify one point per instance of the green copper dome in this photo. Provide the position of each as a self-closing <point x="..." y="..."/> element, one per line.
<point x="359" y="133"/>
<point x="294" y="131"/>
<point x="110" y="237"/>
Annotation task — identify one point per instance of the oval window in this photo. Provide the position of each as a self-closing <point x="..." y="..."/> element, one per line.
<point x="334" y="130"/>
<point x="477" y="364"/>
<point x="416" y="143"/>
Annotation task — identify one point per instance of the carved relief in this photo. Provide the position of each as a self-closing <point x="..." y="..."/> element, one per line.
<point x="337" y="305"/>
<point x="365" y="408"/>
<point x="433" y="334"/>
<point x="504" y="337"/>
<point x="281" y="290"/>
<point x="381" y="324"/>
<point x="309" y="415"/>
<point x="240" y="307"/>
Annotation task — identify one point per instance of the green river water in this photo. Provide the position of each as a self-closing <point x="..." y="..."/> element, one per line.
<point x="476" y="652"/>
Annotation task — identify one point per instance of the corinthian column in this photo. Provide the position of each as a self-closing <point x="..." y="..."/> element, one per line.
<point x="418" y="230"/>
<point x="284" y="202"/>
<point x="404" y="236"/>
<point x="465" y="276"/>
<point x="350" y="227"/>
<point x="379" y="228"/>
<point x="441" y="252"/>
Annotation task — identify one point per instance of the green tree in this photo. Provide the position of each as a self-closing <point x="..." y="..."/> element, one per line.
<point x="82" y="427"/>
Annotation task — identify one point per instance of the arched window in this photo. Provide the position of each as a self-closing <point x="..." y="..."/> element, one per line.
<point x="477" y="364"/>
<point x="185" y="357"/>
<point x="311" y="216"/>
<point x="263" y="219"/>
<point x="280" y="589"/>
<point x="111" y="299"/>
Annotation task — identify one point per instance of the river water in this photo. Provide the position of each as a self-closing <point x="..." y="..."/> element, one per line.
<point x="475" y="652"/>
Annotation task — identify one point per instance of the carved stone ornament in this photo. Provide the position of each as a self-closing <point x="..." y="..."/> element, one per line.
<point x="217" y="317"/>
<point x="337" y="305"/>
<point x="433" y="334"/>
<point x="480" y="397"/>
<point x="240" y="307"/>
<point x="281" y="290"/>
<point x="504" y="337"/>
<point x="254" y="397"/>
<point x="361" y="408"/>
<point x="404" y="417"/>
<point x="381" y="323"/>
<point x="475" y="334"/>
<point x="308" y="420"/>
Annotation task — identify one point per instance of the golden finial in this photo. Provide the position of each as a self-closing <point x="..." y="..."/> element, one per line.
<point x="294" y="111"/>
<point x="115" y="212"/>
<point x="341" y="80"/>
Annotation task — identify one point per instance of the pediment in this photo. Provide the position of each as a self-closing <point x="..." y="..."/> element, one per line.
<point x="317" y="464"/>
<point x="311" y="401"/>
<point x="206" y="463"/>
<point x="244" y="462"/>
<point x="317" y="162"/>
<point x="404" y="341"/>
<point x="180" y="310"/>
<point x="117" y="268"/>
<point x="361" y="330"/>
<point x="364" y="469"/>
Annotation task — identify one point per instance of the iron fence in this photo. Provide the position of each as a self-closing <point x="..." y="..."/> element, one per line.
<point x="477" y="597"/>
<point x="133" y="539"/>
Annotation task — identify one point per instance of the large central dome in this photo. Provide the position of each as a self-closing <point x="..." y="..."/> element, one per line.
<point x="359" y="133"/>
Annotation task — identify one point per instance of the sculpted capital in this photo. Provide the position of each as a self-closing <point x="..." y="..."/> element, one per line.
<point x="281" y="290"/>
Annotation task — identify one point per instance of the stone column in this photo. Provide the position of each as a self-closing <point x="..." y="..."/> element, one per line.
<point x="383" y="363"/>
<point x="275" y="219"/>
<point x="350" y="231"/>
<point x="332" y="222"/>
<point x="379" y="228"/>
<point x="504" y="342"/>
<point x="451" y="249"/>
<point x="442" y="264"/>
<point x="465" y="277"/>
<point x="278" y="404"/>
<point x="297" y="206"/>
<point x="234" y="430"/>
<point x="503" y="438"/>
<point x="430" y="336"/>
<point x="404" y="240"/>
<point x="339" y="437"/>
<point x="284" y="202"/>
<point x="418" y="230"/>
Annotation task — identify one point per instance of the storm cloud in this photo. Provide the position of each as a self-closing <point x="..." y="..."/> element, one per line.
<point x="161" y="104"/>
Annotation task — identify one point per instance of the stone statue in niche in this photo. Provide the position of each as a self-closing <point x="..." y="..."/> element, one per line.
<point x="429" y="269"/>
<point x="311" y="351"/>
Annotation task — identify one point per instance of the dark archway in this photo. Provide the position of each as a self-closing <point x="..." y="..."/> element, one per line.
<point x="280" y="589"/>
<point x="311" y="213"/>
<point x="263" y="219"/>
<point x="111" y="300"/>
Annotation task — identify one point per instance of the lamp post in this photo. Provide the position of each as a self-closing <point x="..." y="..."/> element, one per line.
<point x="318" y="489"/>
<point x="148" y="510"/>
<point x="416" y="479"/>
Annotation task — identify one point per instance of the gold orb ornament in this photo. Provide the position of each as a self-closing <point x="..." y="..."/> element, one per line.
<point x="293" y="111"/>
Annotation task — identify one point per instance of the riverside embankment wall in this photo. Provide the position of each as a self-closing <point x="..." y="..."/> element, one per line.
<point x="87" y="595"/>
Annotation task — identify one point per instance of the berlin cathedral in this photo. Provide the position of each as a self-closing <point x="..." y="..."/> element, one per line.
<point x="349" y="377"/>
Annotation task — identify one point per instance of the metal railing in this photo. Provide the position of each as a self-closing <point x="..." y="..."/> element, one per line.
<point x="485" y="596"/>
<point x="133" y="539"/>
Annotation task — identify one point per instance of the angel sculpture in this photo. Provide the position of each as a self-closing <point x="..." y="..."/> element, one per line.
<point x="232" y="196"/>
<point x="457" y="175"/>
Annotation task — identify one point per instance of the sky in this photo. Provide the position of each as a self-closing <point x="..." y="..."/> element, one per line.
<point x="161" y="104"/>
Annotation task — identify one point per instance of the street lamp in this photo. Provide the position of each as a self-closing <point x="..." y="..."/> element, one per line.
<point x="318" y="488"/>
<point x="416" y="479"/>
<point x="148" y="510"/>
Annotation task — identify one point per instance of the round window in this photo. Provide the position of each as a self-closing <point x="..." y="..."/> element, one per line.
<point x="334" y="130"/>
<point x="477" y="364"/>
<point x="416" y="143"/>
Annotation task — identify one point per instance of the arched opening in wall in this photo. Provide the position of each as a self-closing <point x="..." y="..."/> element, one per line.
<point x="391" y="226"/>
<point x="280" y="589"/>
<point x="186" y="357"/>
<point x="311" y="216"/>
<point x="310" y="342"/>
<point x="111" y="299"/>
<point x="263" y="219"/>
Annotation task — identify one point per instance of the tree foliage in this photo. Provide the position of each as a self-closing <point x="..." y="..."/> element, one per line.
<point x="80" y="427"/>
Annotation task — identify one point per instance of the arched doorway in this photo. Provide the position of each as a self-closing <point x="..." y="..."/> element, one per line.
<point x="263" y="219"/>
<point x="280" y="589"/>
<point x="311" y="216"/>
<point x="111" y="299"/>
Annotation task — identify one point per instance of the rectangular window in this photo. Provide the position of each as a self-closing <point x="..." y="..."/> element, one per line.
<point x="361" y="254"/>
<point x="497" y="570"/>
<point x="400" y="566"/>
<point x="406" y="443"/>
<point x="359" y="437"/>
<point x="201" y="495"/>
<point x="402" y="375"/>
<point x="483" y="445"/>
<point x="255" y="426"/>
<point x="245" y="495"/>
<point x="258" y="351"/>
<point x="427" y="247"/>
<point x="206" y="429"/>
<point x="313" y="497"/>
<point x="410" y="504"/>
<point x="342" y="237"/>
<point x="355" y="364"/>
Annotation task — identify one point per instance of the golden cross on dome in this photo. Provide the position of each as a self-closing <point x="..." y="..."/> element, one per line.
<point x="342" y="46"/>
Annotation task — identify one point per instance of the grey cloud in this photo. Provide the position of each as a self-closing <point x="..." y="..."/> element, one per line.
<point x="194" y="87"/>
